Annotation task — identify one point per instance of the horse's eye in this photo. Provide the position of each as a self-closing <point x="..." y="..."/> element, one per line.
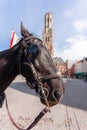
<point x="33" y="51"/>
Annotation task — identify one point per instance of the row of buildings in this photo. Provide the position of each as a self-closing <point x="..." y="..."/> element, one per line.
<point x="79" y="69"/>
<point x="47" y="36"/>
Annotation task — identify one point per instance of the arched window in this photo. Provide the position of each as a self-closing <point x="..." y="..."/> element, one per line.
<point x="46" y="38"/>
<point x="48" y="19"/>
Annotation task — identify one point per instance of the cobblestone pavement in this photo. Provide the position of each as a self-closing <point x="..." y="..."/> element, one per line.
<point x="24" y="105"/>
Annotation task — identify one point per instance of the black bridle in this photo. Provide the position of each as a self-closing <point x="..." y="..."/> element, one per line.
<point x="39" y="80"/>
<point x="44" y="92"/>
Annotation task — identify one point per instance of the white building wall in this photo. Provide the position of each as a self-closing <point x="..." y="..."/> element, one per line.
<point x="86" y="66"/>
<point x="78" y="68"/>
<point x="81" y="66"/>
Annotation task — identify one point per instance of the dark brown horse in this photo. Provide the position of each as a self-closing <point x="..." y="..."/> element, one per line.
<point x="30" y="58"/>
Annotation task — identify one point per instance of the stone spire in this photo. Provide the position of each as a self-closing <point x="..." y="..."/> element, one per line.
<point x="47" y="34"/>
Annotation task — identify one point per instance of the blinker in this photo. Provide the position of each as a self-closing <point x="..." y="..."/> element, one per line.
<point x="33" y="51"/>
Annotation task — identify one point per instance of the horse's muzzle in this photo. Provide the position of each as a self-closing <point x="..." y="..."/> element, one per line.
<point x="52" y="98"/>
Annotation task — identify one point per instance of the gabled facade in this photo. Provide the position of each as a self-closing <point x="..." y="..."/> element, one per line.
<point x="61" y="65"/>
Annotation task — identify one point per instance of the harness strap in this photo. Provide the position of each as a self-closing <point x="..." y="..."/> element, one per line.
<point x="48" y="77"/>
<point x="36" y="120"/>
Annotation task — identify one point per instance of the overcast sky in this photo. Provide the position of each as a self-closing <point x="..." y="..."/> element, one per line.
<point x="69" y="24"/>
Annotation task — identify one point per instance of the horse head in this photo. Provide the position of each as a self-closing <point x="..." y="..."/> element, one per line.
<point x="37" y="66"/>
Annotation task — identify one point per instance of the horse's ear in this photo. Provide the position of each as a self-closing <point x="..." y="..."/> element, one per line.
<point x="24" y="31"/>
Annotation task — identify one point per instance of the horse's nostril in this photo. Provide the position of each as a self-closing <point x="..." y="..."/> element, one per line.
<point x="45" y="92"/>
<point x="56" y="95"/>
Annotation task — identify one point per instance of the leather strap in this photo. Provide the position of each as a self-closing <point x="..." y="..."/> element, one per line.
<point x="49" y="77"/>
<point x="36" y="120"/>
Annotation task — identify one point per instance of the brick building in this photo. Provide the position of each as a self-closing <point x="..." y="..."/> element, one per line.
<point x="62" y="66"/>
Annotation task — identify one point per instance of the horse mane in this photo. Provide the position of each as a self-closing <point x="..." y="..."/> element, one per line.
<point x="3" y="52"/>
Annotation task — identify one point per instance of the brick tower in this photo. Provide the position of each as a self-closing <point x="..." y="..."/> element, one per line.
<point x="47" y="34"/>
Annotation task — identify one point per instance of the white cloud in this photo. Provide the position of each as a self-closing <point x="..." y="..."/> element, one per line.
<point x="75" y="43"/>
<point x="80" y="25"/>
<point x="78" y="8"/>
<point x="77" y="50"/>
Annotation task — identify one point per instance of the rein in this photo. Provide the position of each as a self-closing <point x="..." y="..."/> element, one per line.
<point x="36" y="120"/>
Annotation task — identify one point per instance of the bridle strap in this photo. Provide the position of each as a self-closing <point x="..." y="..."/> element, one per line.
<point x="25" y="46"/>
<point x="32" y="37"/>
<point x="49" y="77"/>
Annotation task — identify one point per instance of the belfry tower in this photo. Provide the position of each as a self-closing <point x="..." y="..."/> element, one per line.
<point x="47" y="34"/>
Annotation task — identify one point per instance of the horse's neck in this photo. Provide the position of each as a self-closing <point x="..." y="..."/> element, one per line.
<point x="8" y="69"/>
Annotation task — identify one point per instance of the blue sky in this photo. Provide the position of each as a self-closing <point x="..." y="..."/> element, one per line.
<point x="69" y="18"/>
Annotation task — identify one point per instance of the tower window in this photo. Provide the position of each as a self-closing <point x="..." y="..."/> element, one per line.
<point x="46" y="39"/>
<point x="48" y="20"/>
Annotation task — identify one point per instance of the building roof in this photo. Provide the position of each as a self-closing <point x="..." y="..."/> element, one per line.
<point x="58" y="60"/>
